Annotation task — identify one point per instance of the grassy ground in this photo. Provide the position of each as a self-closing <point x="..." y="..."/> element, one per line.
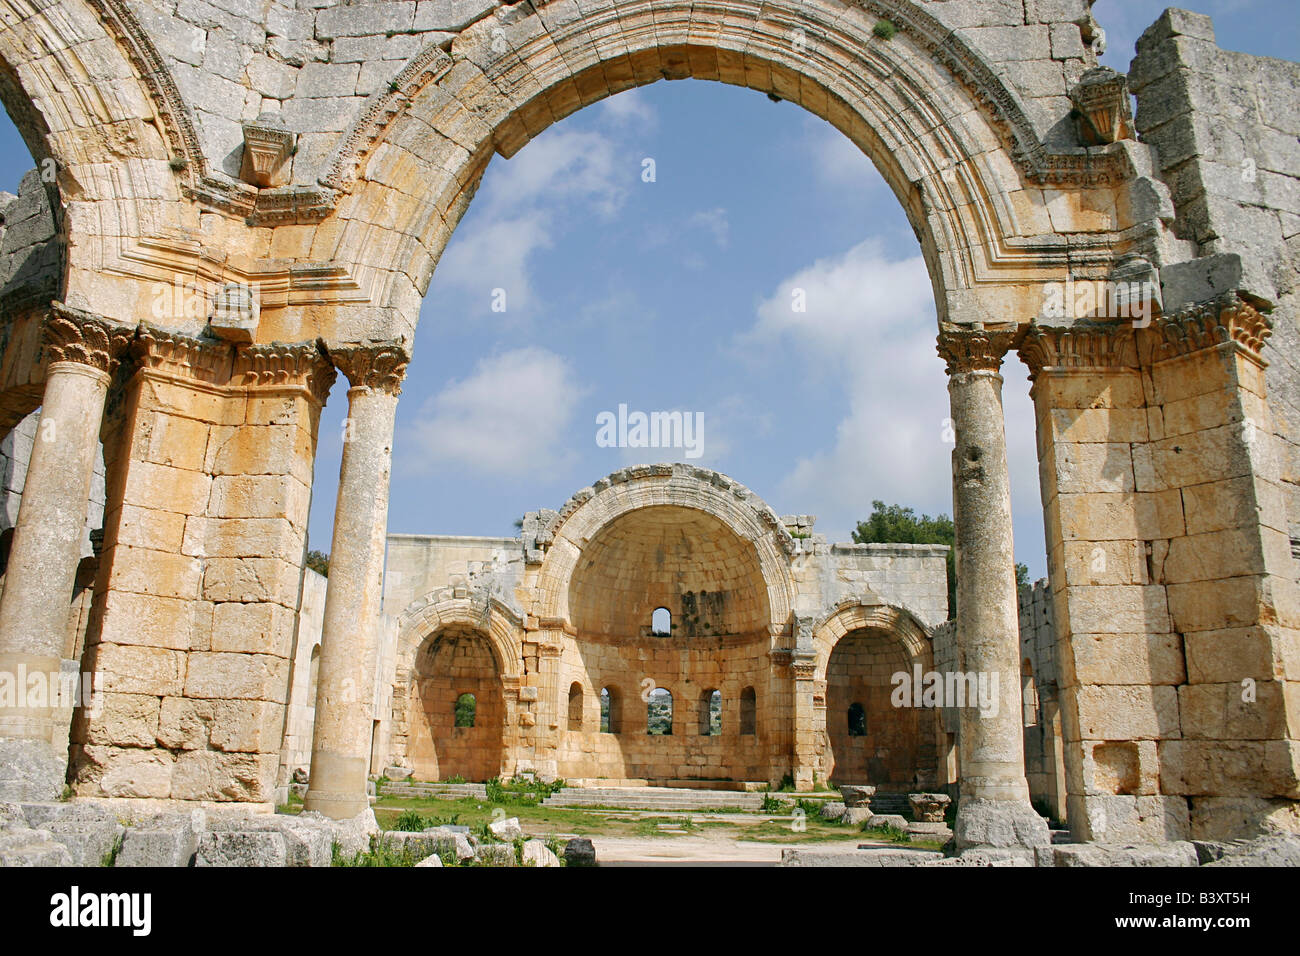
<point x="588" y="821"/>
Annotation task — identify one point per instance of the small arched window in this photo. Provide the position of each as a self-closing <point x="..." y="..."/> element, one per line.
<point x="466" y="705"/>
<point x="575" y="706"/>
<point x="748" y="712"/>
<point x="611" y="709"/>
<point x="661" y="622"/>
<point x="857" y="720"/>
<point x="659" y="713"/>
<point x="711" y="713"/>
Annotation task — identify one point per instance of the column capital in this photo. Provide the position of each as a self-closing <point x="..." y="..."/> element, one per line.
<point x="1230" y="319"/>
<point x="380" y="366"/>
<point x="1084" y="345"/>
<point x="72" y="335"/>
<point x="303" y="363"/>
<point x="974" y="349"/>
<point x="205" y="360"/>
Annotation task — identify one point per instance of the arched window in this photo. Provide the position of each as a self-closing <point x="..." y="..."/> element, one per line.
<point x="711" y="713"/>
<point x="313" y="676"/>
<point x="857" y="720"/>
<point x="659" y="713"/>
<point x="575" y="706"/>
<point x="465" y="707"/>
<point x="611" y="710"/>
<point x="661" y="622"/>
<point x="748" y="711"/>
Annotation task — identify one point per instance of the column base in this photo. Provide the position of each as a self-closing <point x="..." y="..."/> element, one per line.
<point x="30" y="771"/>
<point x="998" y="823"/>
<point x="336" y="806"/>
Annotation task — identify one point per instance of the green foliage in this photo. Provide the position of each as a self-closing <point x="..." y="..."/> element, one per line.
<point x="466" y="706"/>
<point x="894" y="524"/>
<point x="888" y="832"/>
<point x="319" y="562"/>
<point x="456" y="779"/>
<point x="379" y="854"/>
<point x="885" y="29"/>
<point x="772" y="805"/>
<point x="410" y="821"/>
<point x="110" y="858"/>
<point x="1022" y="576"/>
<point x="525" y="790"/>
<point x="787" y="783"/>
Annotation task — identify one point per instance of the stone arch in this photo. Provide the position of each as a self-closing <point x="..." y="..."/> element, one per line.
<point x="947" y="133"/>
<point x="897" y="748"/>
<point x="440" y="608"/>
<point x="592" y="509"/>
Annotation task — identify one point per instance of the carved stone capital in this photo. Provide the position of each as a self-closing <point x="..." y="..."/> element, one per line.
<point x="969" y="349"/>
<point x="1227" y="320"/>
<point x="381" y="367"/>
<point x="1085" y="345"/>
<point x="304" y="364"/>
<point x="183" y="355"/>
<point x="75" y="336"/>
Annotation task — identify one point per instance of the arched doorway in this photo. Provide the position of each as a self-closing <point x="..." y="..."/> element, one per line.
<point x="871" y="740"/>
<point x="457" y="717"/>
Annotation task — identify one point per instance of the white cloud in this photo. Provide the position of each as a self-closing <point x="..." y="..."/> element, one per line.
<point x="509" y="418"/>
<point x="870" y="321"/>
<point x="559" y="166"/>
<point x="494" y="255"/>
<point x="836" y="160"/>
<point x="629" y="108"/>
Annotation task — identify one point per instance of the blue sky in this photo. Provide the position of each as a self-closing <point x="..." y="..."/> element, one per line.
<point x="675" y="295"/>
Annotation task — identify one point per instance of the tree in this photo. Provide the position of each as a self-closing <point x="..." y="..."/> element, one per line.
<point x="894" y="524"/>
<point x="319" y="562"/>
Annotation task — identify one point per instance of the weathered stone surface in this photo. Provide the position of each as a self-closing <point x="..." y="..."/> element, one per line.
<point x="857" y="796"/>
<point x="998" y="824"/>
<point x="579" y="851"/>
<point x="168" y="841"/>
<point x="242" y="848"/>
<point x="832" y="810"/>
<point x="22" y="846"/>
<point x="537" y="853"/>
<point x="495" y="854"/>
<point x="30" y="770"/>
<point x="1101" y="854"/>
<point x="508" y="829"/>
<point x="432" y="860"/>
<point x="1277" y="849"/>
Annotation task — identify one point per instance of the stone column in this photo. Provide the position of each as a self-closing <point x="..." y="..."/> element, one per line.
<point x="994" y="808"/>
<point x="803" y="668"/>
<point x="340" y="752"/>
<point x="46" y="549"/>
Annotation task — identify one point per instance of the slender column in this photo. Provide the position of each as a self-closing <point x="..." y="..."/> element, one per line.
<point x="806" y="731"/>
<point x="994" y="807"/>
<point x="46" y="549"/>
<point x="340" y="752"/>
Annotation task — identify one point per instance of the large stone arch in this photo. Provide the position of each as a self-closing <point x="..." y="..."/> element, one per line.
<point x="751" y="521"/>
<point x="945" y="130"/>
<point x="853" y="615"/>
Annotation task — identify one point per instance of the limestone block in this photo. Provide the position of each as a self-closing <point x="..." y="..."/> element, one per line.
<point x="1143" y="658"/>
<point x="1179" y="853"/>
<point x="171" y="842"/>
<point x="1251" y="768"/>
<point x="87" y="841"/>
<point x="1221" y="818"/>
<point x="1277" y="849"/>
<point x="1221" y="712"/>
<point x="253" y="628"/>
<point x="832" y="810"/>
<point x="579" y="851"/>
<point x="242" y="848"/>
<point x="1131" y="712"/>
<point x="139" y="670"/>
<point x="856" y="816"/>
<point x="126" y="720"/>
<point x="250" y="580"/>
<point x="236" y="676"/>
<point x="895" y="820"/>
<point x="210" y="775"/>
<point x="21" y="846"/>
<point x="537" y="853"/>
<point x="495" y="854"/>
<point x="226" y="725"/>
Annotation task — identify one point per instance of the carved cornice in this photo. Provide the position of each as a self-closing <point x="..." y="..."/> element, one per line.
<point x="1226" y="320"/>
<point x="72" y="335"/>
<point x="1081" y="346"/>
<point x="277" y="365"/>
<point x="175" y="353"/>
<point x="974" y="349"/>
<point x="381" y="367"/>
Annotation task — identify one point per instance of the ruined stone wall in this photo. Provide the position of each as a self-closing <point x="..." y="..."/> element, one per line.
<point x="417" y="564"/>
<point x="911" y="576"/>
<point x="1225" y="126"/>
<point x="296" y="751"/>
<point x="1040" y="697"/>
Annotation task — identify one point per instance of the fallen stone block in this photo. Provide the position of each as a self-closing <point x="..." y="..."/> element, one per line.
<point x="833" y="810"/>
<point x="855" y="815"/>
<point x="880" y="820"/>
<point x="23" y="846"/>
<point x="866" y="855"/>
<point x="506" y="829"/>
<point x="1180" y="853"/>
<point x="1274" y="849"/>
<point x="88" y="842"/>
<point x="242" y="848"/>
<point x="167" y="840"/>
<point x="432" y="860"/>
<point x="857" y="796"/>
<point x="537" y="853"/>
<point x="495" y="854"/>
<point x="579" y="852"/>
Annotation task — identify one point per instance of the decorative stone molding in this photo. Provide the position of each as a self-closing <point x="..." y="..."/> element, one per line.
<point x="268" y="144"/>
<point x="204" y="360"/>
<point x="381" y="367"/>
<point x="235" y="312"/>
<point x="1080" y="346"/>
<point x="803" y="668"/>
<point x="1227" y="320"/>
<point x="278" y="365"/>
<point x="1101" y="99"/>
<point x="72" y="335"/>
<point x="974" y="349"/>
